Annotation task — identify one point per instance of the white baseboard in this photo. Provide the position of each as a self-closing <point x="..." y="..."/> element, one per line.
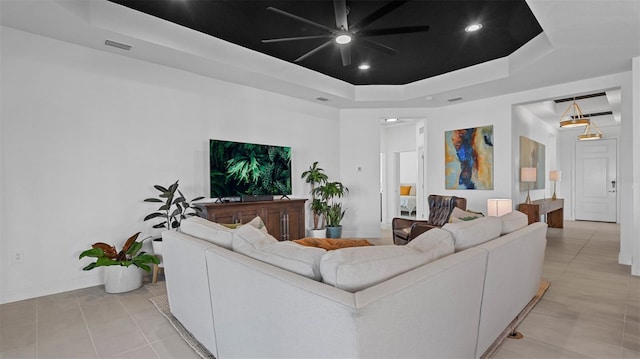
<point x="625" y="258"/>
<point x="635" y="269"/>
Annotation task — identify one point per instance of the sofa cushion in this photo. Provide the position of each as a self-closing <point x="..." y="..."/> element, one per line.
<point x="261" y="246"/>
<point x="513" y="221"/>
<point x="354" y="269"/>
<point x="471" y="233"/>
<point x="434" y="243"/>
<point x="208" y="231"/>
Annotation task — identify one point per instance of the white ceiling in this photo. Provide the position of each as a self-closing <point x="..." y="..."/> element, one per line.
<point x="581" y="39"/>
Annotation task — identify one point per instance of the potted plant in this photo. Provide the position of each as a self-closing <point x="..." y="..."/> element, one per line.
<point x="315" y="176"/>
<point x="333" y="212"/>
<point x="172" y="211"/>
<point x="120" y="275"/>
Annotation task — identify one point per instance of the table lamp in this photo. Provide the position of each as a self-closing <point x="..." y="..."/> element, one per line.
<point x="496" y="207"/>
<point x="554" y="176"/>
<point x="528" y="174"/>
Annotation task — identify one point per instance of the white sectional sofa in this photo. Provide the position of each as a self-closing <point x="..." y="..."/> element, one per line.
<point x="366" y="302"/>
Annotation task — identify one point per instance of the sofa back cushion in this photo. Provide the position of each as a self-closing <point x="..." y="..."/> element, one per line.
<point x="513" y="221"/>
<point x="261" y="246"/>
<point x="471" y="233"/>
<point x="354" y="269"/>
<point x="208" y="231"/>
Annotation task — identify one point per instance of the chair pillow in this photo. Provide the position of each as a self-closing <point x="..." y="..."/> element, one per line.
<point x="513" y="221"/>
<point x="206" y="230"/>
<point x="471" y="233"/>
<point x="261" y="246"/>
<point x="357" y="268"/>
<point x="458" y="215"/>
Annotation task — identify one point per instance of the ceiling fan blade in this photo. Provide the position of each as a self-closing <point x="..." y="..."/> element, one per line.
<point x="301" y="19"/>
<point x="282" y="39"/>
<point x="394" y="30"/>
<point x="385" y="9"/>
<point x="345" y="53"/>
<point x="340" y="9"/>
<point x="314" y="51"/>
<point x="376" y="46"/>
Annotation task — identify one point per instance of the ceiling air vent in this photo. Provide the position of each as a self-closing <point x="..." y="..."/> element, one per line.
<point x="454" y="99"/>
<point x="323" y="99"/>
<point x="118" y="45"/>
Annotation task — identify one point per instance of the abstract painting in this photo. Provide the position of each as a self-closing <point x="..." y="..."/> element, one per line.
<point x="532" y="155"/>
<point x="468" y="158"/>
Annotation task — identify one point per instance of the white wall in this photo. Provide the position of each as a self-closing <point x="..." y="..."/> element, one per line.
<point x="85" y="135"/>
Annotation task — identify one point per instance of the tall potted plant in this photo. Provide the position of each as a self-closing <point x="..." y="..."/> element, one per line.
<point x="123" y="268"/>
<point x="174" y="208"/>
<point x="315" y="176"/>
<point x="333" y="212"/>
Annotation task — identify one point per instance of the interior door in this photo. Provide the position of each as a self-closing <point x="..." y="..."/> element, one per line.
<point x="596" y="187"/>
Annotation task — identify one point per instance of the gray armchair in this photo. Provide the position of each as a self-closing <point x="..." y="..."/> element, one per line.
<point x="440" y="208"/>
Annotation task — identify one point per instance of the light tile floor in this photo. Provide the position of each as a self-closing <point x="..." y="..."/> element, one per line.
<point x="592" y="310"/>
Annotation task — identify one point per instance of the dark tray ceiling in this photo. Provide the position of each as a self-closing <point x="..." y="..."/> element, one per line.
<point x="507" y="25"/>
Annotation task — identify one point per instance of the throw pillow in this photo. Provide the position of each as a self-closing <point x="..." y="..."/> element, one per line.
<point x="206" y="230"/>
<point x="261" y="246"/>
<point x="513" y="221"/>
<point x="412" y="191"/>
<point x="404" y="190"/>
<point x="470" y="234"/>
<point x="258" y="223"/>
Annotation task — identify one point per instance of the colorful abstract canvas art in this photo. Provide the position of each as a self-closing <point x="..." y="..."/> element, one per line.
<point x="469" y="158"/>
<point x="532" y="155"/>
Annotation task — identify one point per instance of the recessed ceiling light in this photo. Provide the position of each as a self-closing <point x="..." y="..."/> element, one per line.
<point x="343" y="39"/>
<point x="392" y="119"/>
<point x="473" y="27"/>
<point x="364" y="67"/>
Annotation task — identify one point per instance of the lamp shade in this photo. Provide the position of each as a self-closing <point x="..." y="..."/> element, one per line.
<point x="555" y="175"/>
<point x="496" y="207"/>
<point x="528" y="174"/>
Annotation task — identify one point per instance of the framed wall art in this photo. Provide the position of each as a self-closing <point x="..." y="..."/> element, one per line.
<point x="468" y="158"/>
<point x="532" y="155"/>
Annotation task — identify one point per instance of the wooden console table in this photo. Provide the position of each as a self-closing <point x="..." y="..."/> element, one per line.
<point x="552" y="208"/>
<point x="283" y="218"/>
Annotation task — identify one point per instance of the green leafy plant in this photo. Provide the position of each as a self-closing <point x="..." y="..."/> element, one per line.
<point x="174" y="207"/>
<point x="330" y="192"/>
<point x="316" y="176"/>
<point x="107" y="255"/>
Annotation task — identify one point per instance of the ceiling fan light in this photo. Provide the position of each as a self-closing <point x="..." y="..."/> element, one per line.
<point x="343" y="39"/>
<point x="473" y="28"/>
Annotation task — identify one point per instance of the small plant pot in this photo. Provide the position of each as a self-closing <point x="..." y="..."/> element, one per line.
<point x="120" y="279"/>
<point x="317" y="233"/>
<point x="334" y="232"/>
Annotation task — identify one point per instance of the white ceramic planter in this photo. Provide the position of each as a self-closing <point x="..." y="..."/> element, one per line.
<point x="120" y="279"/>
<point x="317" y="233"/>
<point x="157" y="246"/>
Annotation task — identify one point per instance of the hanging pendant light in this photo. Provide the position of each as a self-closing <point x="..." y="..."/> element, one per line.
<point x="576" y="120"/>
<point x="589" y="134"/>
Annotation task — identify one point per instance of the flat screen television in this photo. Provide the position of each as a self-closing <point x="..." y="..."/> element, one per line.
<point x="240" y="169"/>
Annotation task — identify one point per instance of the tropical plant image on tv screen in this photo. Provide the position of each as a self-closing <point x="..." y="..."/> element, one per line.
<point x="243" y="169"/>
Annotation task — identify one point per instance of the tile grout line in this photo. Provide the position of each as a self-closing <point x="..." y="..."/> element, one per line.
<point x="138" y="327"/>
<point x="86" y="325"/>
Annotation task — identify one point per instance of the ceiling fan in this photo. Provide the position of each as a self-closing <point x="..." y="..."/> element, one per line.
<point x="343" y="34"/>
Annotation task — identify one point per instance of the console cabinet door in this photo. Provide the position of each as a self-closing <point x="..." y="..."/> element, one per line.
<point x="284" y="219"/>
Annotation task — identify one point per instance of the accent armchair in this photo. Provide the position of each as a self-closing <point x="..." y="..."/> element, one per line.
<point x="440" y="208"/>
